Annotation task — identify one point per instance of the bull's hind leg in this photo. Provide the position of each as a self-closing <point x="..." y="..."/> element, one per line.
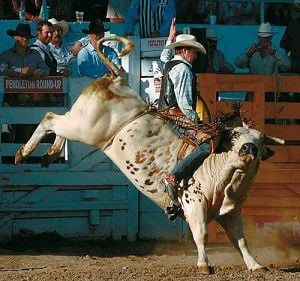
<point x="54" y="151"/>
<point x="195" y="214"/>
<point x="44" y="128"/>
<point x="233" y="225"/>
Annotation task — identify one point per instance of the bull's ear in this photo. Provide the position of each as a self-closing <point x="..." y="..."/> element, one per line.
<point x="266" y="153"/>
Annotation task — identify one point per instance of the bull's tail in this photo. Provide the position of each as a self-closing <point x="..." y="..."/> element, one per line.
<point x="110" y="65"/>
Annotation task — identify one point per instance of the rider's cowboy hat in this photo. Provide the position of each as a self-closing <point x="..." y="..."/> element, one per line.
<point x="186" y="40"/>
<point x="63" y="24"/>
<point x="22" y="29"/>
<point x="265" y="30"/>
<point x="95" y="27"/>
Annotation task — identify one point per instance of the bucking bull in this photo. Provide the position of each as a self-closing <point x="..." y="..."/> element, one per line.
<point x="112" y="117"/>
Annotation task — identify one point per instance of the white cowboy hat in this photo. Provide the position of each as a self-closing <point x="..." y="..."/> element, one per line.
<point x="211" y="34"/>
<point x="63" y="24"/>
<point x="265" y="30"/>
<point x="187" y="40"/>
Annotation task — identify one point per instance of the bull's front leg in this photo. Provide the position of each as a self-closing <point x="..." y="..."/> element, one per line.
<point x="196" y="215"/>
<point x="44" y="128"/>
<point x="233" y="226"/>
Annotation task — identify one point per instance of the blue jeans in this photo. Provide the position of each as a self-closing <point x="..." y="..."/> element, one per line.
<point x="188" y="165"/>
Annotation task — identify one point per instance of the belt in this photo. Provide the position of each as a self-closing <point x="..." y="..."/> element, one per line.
<point x="175" y="111"/>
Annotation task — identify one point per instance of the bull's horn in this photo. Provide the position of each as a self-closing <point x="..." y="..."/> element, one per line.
<point x="245" y="125"/>
<point x="273" y="140"/>
<point x="128" y="47"/>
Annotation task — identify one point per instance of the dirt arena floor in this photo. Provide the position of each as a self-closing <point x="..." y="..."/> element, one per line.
<point x="56" y="259"/>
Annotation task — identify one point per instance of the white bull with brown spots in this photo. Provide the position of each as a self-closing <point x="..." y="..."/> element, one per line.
<point x="112" y="117"/>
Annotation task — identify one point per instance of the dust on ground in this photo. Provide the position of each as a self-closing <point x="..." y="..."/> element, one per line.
<point x="58" y="259"/>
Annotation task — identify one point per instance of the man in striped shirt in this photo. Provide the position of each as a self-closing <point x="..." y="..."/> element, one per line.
<point x="154" y="17"/>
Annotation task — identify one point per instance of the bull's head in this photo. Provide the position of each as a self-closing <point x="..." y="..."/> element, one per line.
<point x="248" y="143"/>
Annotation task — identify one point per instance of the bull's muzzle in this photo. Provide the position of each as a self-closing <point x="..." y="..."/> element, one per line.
<point x="249" y="149"/>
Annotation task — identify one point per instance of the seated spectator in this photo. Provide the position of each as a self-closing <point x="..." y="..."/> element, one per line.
<point x="262" y="57"/>
<point x="291" y="43"/>
<point x="216" y="58"/>
<point x="242" y="13"/>
<point x="116" y="10"/>
<point x="153" y="16"/>
<point x="294" y="10"/>
<point x="61" y="9"/>
<point x="6" y="10"/>
<point x="277" y="13"/>
<point x="32" y="8"/>
<point x="185" y="11"/>
<point x="93" y="9"/>
<point x="63" y="56"/>
<point x="89" y="63"/>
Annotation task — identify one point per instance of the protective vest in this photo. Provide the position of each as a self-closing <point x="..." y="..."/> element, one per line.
<point x="167" y="97"/>
<point x="48" y="58"/>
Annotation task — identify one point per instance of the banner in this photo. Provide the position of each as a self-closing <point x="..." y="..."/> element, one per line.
<point x="49" y="84"/>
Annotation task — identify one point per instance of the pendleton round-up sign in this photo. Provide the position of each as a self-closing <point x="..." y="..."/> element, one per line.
<point x="53" y="84"/>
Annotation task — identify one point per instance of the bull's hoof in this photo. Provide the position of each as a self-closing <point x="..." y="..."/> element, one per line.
<point x="259" y="269"/>
<point x="48" y="158"/>
<point x="204" y="269"/>
<point x="19" y="157"/>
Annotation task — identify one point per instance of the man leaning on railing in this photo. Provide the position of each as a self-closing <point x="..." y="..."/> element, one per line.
<point x="22" y="61"/>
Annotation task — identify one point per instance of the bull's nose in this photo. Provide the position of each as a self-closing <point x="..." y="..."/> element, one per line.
<point x="249" y="149"/>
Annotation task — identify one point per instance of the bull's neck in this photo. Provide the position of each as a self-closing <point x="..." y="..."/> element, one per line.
<point x="134" y="115"/>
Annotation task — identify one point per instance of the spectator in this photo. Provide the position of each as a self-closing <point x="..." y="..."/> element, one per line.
<point x="89" y="63"/>
<point x="81" y="43"/>
<point x="242" y="13"/>
<point x="44" y="36"/>
<point x="277" y="13"/>
<point x="63" y="56"/>
<point x="262" y="57"/>
<point x="21" y="60"/>
<point x="6" y="11"/>
<point x="116" y="10"/>
<point x="2" y="9"/>
<point x="216" y="58"/>
<point x="154" y="89"/>
<point x="61" y="9"/>
<point x="154" y="17"/>
<point x="184" y="11"/>
<point x="32" y="8"/>
<point x="93" y="9"/>
<point x="291" y="43"/>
